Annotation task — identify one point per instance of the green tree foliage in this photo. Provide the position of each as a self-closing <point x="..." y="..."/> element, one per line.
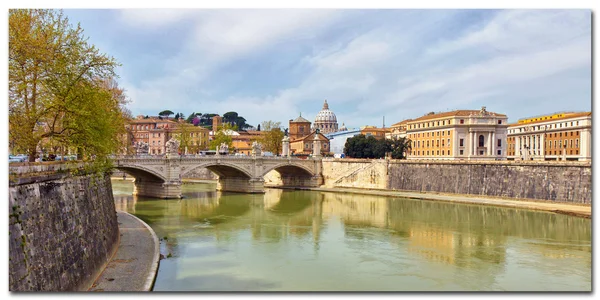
<point x="182" y="134"/>
<point x="165" y="113"/>
<point x="233" y="118"/>
<point x="61" y="89"/>
<point x="221" y="136"/>
<point x="361" y="146"/>
<point x="273" y="136"/>
<point x="400" y="147"/>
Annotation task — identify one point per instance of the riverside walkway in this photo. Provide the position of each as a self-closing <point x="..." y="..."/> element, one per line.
<point x="134" y="265"/>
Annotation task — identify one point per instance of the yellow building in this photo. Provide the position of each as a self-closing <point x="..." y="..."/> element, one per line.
<point x="561" y="136"/>
<point x="378" y="133"/>
<point x="397" y="130"/>
<point x="458" y="135"/>
<point x="304" y="145"/>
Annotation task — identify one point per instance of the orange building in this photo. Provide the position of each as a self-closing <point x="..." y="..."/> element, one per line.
<point x="299" y="127"/>
<point x="458" y="135"/>
<point x="378" y="133"/>
<point x="561" y="136"/>
<point x="242" y="143"/>
<point x="304" y="145"/>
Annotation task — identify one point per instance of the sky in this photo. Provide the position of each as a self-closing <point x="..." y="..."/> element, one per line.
<point x="274" y="64"/>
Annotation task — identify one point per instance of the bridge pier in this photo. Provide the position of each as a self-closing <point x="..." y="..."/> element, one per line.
<point x="304" y="181"/>
<point x="241" y="185"/>
<point x="155" y="189"/>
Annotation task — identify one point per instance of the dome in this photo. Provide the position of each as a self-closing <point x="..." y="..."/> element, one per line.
<point x="325" y="115"/>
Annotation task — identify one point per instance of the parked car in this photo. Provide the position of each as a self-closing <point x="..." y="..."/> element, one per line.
<point x="18" y="158"/>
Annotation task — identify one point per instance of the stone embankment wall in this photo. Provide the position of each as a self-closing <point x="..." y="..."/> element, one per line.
<point x="569" y="182"/>
<point x="62" y="227"/>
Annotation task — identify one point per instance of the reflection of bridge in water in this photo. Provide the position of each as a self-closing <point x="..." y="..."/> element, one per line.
<point x="436" y="232"/>
<point x="160" y="176"/>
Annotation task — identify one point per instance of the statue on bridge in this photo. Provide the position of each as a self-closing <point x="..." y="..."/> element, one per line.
<point x="256" y="148"/>
<point x="223" y="149"/>
<point x="142" y="148"/>
<point x="172" y="146"/>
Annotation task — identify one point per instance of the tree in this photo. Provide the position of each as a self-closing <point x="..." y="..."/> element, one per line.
<point x="62" y="90"/>
<point x="222" y="136"/>
<point x="361" y="146"/>
<point x="272" y="137"/>
<point x="182" y="134"/>
<point x="196" y="121"/>
<point x="166" y="113"/>
<point x="400" y="146"/>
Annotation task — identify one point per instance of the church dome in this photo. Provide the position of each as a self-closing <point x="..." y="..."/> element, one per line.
<point x="325" y="115"/>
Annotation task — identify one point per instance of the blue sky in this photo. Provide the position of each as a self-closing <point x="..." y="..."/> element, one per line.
<point x="398" y="63"/>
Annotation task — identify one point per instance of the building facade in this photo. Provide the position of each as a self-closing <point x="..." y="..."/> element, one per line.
<point x="326" y="121"/>
<point x="397" y="130"/>
<point x="155" y="132"/>
<point x="299" y="127"/>
<point x="378" y="133"/>
<point x="458" y="135"/>
<point x="304" y="146"/>
<point x="561" y="136"/>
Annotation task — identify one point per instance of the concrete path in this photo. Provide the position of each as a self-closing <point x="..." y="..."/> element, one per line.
<point x="134" y="266"/>
<point x="563" y="208"/>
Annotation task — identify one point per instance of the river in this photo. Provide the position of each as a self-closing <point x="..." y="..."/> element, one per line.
<point x="287" y="240"/>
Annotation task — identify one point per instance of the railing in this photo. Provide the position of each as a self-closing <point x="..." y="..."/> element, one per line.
<point x="200" y="156"/>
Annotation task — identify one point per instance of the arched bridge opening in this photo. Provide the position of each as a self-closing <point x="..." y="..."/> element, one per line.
<point x="149" y="183"/>
<point x="232" y="178"/>
<point x="291" y="176"/>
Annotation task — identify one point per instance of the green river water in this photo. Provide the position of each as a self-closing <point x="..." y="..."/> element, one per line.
<point x="287" y="240"/>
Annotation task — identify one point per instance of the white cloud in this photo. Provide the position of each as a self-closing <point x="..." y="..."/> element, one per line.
<point x="400" y="71"/>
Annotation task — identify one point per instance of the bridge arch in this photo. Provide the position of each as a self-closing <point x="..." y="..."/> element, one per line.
<point x="287" y="168"/>
<point x="223" y="169"/>
<point x="141" y="172"/>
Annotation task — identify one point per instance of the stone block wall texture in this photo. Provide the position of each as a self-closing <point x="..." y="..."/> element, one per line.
<point x="61" y="232"/>
<point x="556" y="182"/>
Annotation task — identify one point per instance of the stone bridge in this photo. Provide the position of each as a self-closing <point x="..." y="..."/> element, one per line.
<point x="160" y="176"/>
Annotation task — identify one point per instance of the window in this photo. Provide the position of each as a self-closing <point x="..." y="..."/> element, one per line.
<point x="442" y="142"/>
<point x="571" y="143"/>
<point x="448" y="142"/>
<point x="461" y="152"/>
<point x="437" y="144"/>
<point x="443" y="133"/>
<point x="462" y="121"/>
<point x="576" y="143"/>
<point x="499" y="142"/>
<point x="577" y="133"/>
<point x="427" y="143"/>
<point x="560" y="134"/>
<point x="499" y="152"/>
<point x="427" y="152"/>
<point x="438" y="152"/>
<point x="438" y="133"/>
<point x="499" y="121"/>
<point x="461" y="143"/>
<point x="481" y="140"/>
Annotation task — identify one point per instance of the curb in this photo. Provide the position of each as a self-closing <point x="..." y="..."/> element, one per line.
<point x="149" y="284"/>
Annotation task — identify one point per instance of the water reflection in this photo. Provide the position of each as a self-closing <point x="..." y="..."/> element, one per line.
<point x="277" y="236"/>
